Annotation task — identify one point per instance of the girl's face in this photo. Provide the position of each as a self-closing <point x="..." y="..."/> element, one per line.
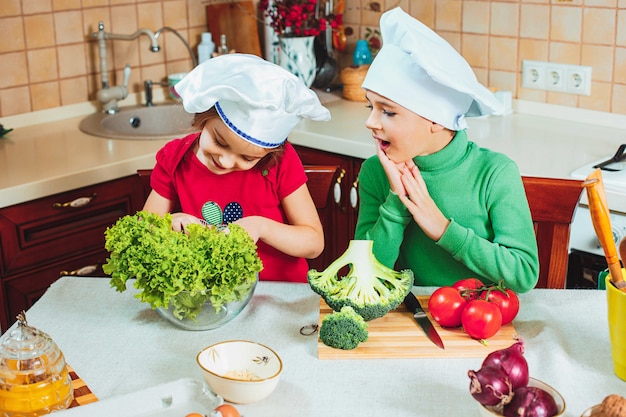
<point x="222" y="151"/>
<point x="399" y="132"/>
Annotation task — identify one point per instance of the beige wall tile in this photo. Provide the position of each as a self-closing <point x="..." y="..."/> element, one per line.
<point x="599" y="26"/>
<point x="92" y="3"/>
<point x="532" y="49"/>
<point x="475" y="17"/>
<point x="503" y="54"/>
<point x="621" y="28"/>
<point x="11" y="34"/>
<point x="36" y="6"/>
<point x="424" y="11"/>
<point x="92" y="16"/>
<point x="535" y="21"/>
<point x="15" y="101"/>
<point x="504" y="19"/>
<point x="482" y="75"/>
<point x="448" y="15"/>
<point x="600" y="98"/>
<point x="65" y="4"/>
<point x="564" y="53"/>
<point x="123" y="20"/>
<point x="503" y="80"/>
<point x="10" y="8"/>
<point x="69" y="27"/>
<point x="13" y="70"/>
<point x="475" y="50"/>
<point x="42" y="65"/>
<point x="531" y="95"/>
<point x="600" y="59"/>
<point x="562" y="99"/>
<point x="150" y="16"/>
<point x="45" y="95"/>
<point x="71" y="60"/>
<point x="175" y="14"/>
<point x="601" y="3"/>
<point x="568" y="2"/>
<point x="73" y="90"/>
<point x="197" y="14"/>
<point x="620" y="66"/>
<point x="566" y="23"/>
<point x="618" y="103"/>
<point x="370" y="16"/>
<point x="39" y="30"/>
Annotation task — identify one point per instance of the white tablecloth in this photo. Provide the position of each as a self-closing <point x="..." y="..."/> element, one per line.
<point x="117" y="345"/>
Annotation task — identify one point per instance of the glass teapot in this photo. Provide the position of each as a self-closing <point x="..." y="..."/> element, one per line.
<point x="34" y="379"/>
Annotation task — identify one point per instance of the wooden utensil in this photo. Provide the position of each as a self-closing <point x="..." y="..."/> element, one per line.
<point x="598" y="208"/>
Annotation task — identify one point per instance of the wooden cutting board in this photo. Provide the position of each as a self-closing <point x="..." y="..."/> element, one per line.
<point x="396" y="335"/>
<point x="237" y="20"/>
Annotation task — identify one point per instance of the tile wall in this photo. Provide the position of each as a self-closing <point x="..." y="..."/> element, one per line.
<point x="47" y="58"/>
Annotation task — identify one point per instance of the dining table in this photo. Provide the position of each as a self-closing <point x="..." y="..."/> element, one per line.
<point x="120" y="345"/>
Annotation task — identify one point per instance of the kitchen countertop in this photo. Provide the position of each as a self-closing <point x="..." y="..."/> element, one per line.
<point x="118" y="345"/>
<point x="46" y="153"/>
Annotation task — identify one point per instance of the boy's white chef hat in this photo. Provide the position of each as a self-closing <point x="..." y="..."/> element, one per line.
<point x="259" y="101"/>
<point x="420" y="71"/>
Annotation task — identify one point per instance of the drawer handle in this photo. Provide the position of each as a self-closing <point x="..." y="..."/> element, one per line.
<point x="354" y="194"/>
<point x="337" y="187"/>
<point x="79" y="202"/>
<point x="85" y="270"/>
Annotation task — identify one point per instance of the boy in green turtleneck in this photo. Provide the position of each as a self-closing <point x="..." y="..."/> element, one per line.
<point x="431" y="200"/>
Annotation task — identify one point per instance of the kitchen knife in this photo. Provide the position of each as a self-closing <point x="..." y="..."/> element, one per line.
<point x="420" y="317"/>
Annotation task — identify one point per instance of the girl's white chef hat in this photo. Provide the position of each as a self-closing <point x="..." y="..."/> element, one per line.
<point x="259" y="101"/>
<point x="420" y="71"/>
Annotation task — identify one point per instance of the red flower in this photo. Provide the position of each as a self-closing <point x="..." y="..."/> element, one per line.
<point x="295" y="17"/>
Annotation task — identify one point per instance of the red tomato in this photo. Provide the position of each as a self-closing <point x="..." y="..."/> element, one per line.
<point x="446" y="306"/>
<point x="508" y="303"/>
<point x="466" y="285"/>
<point x="481" y="319"/>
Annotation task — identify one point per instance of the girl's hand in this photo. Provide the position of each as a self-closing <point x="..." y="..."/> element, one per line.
<point x="181" y="220"/>
<point x="421" y="206"/>
<point x="253" y="225"/>
<point x="393" y="171"/>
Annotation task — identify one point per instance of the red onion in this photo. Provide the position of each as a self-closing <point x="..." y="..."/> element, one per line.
<point x="511" y="360"/>
<point x="490" y="386"/>
<point x="531" y="402"/>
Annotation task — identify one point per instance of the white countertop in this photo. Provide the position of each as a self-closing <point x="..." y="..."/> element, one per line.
<point x="46" y="153"/>
<point x="118" y="345"/>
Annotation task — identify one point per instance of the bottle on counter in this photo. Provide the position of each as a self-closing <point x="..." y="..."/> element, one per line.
<point x="223" y="49"/>
<point x="206" y="47"/>
<point x="362" y="54"/>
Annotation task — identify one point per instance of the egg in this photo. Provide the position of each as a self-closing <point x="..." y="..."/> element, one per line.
<point x="225" y="410"/>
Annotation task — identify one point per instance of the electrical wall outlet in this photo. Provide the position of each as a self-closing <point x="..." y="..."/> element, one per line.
<point x="572" y="79"/>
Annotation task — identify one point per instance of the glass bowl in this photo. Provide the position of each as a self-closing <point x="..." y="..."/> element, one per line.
<point x="486" y="411"/>
<point x="208" y="318"/>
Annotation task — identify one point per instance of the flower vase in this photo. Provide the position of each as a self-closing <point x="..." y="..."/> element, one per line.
<point x="298" y="57"/>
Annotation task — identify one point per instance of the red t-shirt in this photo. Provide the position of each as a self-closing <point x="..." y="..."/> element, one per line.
<point x="179" y="176"/>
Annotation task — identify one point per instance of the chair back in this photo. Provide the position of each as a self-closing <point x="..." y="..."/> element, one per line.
<point x="552" y="204"/>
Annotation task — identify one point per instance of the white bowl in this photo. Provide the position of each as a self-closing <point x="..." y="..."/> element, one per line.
<point x="486" y="411"/>
<point x="240" y="371"/>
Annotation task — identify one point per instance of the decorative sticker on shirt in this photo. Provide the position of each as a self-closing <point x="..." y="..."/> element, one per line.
<point x="212" y="213"/>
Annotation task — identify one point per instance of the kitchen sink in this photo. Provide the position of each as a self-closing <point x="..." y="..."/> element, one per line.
<point x="164" y="121"/>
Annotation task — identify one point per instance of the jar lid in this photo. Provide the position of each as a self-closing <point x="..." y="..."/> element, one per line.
<point x="27" y="345"/>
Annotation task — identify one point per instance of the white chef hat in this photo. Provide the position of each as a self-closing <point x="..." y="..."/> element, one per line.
<point x="420" y="71"/>
<point x="259" y="101"/>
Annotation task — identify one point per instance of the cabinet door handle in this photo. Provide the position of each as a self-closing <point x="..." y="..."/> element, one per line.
<point x="85" y="270"/>
<point x="79" y="202"/>
<point x="337" y="187"/>
<point x="354" y="194"/>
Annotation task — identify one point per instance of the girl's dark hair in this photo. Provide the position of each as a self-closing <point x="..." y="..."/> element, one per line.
<point x="268" y="161"/>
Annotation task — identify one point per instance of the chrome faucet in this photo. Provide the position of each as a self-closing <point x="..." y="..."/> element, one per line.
<point x="108" y="95"/>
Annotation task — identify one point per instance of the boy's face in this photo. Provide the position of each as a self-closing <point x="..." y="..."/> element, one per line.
<point x="222" y="151"/>
<point x="399" y="132"/>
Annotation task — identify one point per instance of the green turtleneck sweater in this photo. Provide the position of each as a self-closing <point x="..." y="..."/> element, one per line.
<point x="490" y="235"/>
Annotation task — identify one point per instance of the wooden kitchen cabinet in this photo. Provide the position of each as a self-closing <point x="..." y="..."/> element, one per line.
<point x="340" y="215"/>
<point x="43" y="239"/>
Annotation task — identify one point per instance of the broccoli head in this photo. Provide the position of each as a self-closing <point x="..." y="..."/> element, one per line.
<point x="370" y="288"/>
<point x="343" y="329"/>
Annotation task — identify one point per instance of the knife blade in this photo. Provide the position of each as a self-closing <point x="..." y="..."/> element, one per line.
<point x="420" y="317"/>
